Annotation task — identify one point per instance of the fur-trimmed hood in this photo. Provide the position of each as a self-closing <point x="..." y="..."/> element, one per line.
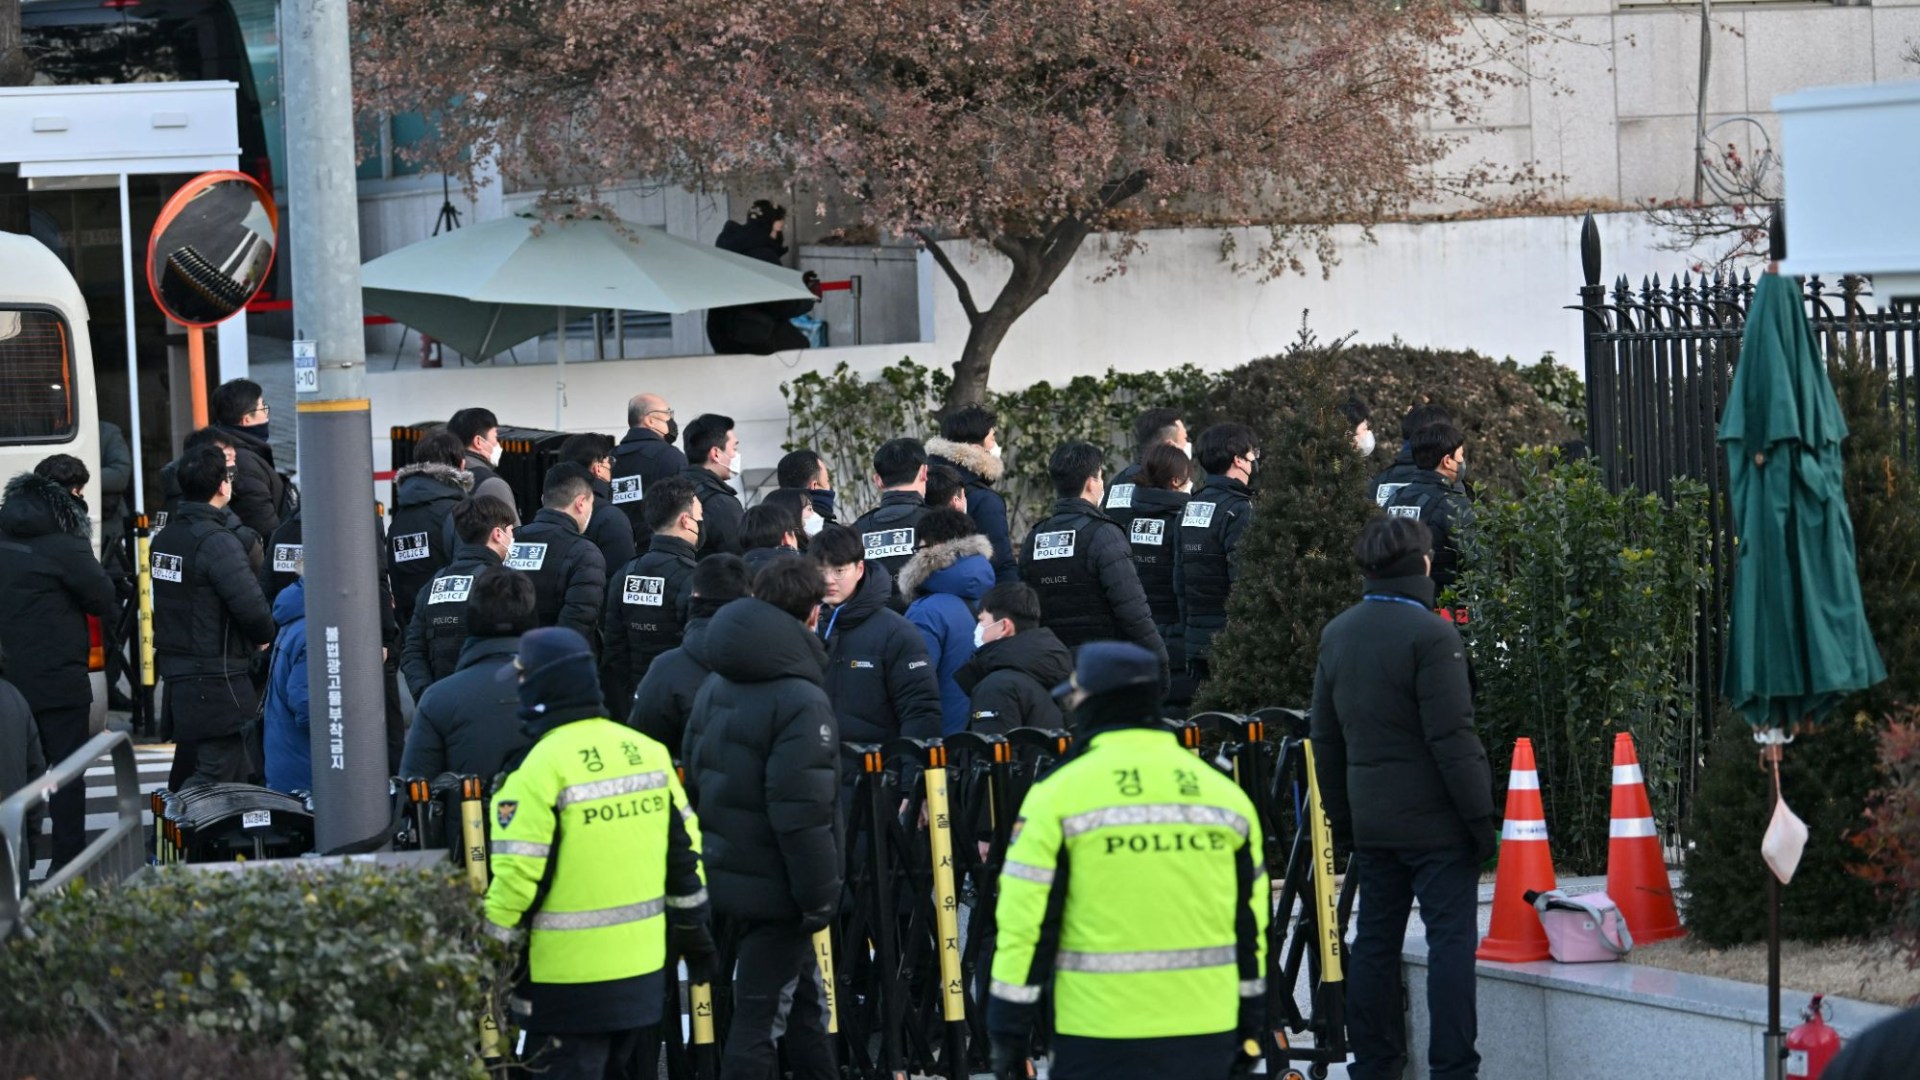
<point x="929" y="562"/>
<point x="36" y="506"/>
<point x="433" y="470"/>
<point x="969" y="456"/>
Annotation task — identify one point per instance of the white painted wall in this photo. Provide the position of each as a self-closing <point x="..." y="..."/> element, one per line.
<point x="1499" y="286"/>
<point x="1605" y="105"/>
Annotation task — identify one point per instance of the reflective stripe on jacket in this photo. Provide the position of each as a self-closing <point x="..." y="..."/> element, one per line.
<point x="1145" y="865"/>
<point x="593" y="839"/>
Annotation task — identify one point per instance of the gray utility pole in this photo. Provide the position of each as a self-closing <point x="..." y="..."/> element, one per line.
<point x="340" y="532"/>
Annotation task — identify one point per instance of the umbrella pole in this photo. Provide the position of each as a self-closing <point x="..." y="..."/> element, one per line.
<point x="1775" y="1051"/>
<point x="560" y="373"/>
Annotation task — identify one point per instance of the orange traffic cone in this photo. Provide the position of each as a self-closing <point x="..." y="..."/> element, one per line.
<point x="1636" y="871"/>
<point x="1526" y="864"/>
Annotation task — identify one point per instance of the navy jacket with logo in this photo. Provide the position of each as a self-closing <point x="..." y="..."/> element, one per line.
<point x="879" y="677"/>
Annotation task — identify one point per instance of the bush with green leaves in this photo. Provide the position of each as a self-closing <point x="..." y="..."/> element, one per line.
<point x="1583" y="610"/>
<point x="1296" y="559"/>
<point x="1890" y="841"/>
<point x="353" y="972"/>
<point x="1559" y="387"/>
<point x="845" y="417"/>
<point x="1492" y="403"/>
<point x="1827" y="776"/>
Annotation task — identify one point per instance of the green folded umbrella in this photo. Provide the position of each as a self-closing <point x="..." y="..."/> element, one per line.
<point x="1797" y="639"/>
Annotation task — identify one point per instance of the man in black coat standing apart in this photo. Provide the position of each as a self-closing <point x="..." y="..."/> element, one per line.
<point x="762" y="753"/>
<point x="1407" y="789"/>
<point x="645" y="457"/>
<point x="50" y="581"/>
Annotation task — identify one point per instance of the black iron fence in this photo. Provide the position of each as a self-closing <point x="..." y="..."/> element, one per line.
<point x="1660" y="359"/>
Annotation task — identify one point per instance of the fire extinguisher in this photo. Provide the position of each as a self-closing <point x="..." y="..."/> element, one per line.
<point x="1813" y="1045"/>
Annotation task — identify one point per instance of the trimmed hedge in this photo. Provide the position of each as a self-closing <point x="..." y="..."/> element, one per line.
<point x="1491" y="401"/>
<point x="352" y="972"/>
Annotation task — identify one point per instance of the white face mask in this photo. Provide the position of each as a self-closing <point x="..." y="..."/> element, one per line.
<point x="814" y="524"/>
<point x="995" y="451"/>
<point x="1185" y="448"/>
<point x="979" y="635"/>
<point x="733" y="464"/>
<point x="493" y="455"/>
<point x="1186" y="488"/>
<point x="1366" y="444"/>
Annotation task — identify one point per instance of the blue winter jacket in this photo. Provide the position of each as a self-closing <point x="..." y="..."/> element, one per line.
<point x="289" y="753"/>
<point x="945" y="583"/>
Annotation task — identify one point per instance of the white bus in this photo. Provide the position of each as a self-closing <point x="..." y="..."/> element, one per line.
<point x="47" y="401"/>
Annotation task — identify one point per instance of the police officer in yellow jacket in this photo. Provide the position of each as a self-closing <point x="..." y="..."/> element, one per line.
<point x="596" y="864"/>
<point x="1136" y="888"/>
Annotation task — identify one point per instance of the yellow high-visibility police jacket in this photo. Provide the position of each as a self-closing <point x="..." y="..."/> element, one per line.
<point x="1143" y="868"/>
<point x="593" y="841"/>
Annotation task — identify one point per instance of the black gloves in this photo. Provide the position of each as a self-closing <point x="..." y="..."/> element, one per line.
<point x="694" y="943"/>
<point x="1010" y="1057"/>
<point x="1486" y="839"/>
<point x="818" y="919"/>
<point x="1251" y="1032"/>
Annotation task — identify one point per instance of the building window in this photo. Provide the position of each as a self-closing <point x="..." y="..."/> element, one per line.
<point x="36" y="377"/>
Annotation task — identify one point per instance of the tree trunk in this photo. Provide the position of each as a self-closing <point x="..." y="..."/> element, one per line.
<point x="1037" y="262"/>
<point x="16" y="68"/>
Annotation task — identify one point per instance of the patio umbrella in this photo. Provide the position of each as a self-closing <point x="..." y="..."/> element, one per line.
<point x="488" y="286"/>
<point x="1797" y="637"/>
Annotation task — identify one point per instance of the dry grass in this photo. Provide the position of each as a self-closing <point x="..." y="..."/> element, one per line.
<point x="1869" y="969"/>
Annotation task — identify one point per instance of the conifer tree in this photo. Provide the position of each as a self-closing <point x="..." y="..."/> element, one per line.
<point x="1296" y="559"/>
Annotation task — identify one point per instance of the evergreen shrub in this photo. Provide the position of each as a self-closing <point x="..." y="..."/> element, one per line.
<point x="1583" y="612"/>
<point x="351" y="972"/>
<point x="845" y="417"/>
<point x="1296" y="558"/>
<point x="1491" y="401"/>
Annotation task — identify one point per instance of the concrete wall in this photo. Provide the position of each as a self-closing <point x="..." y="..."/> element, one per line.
<point x="1499" y="286"/>
<point x="1608" y="104"/>
<point x="1606" y="1021"/>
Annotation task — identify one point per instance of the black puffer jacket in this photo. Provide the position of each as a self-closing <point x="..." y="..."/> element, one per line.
<point x="762" y="756"/>
<point x="209" y="613"/>
<point x="880" y="680"/>
<point x="646" y="611"/>
<point x="1400" y="766"/>
<point x="431" y="649"/>
<point x="1209" y="565"/>
<point x="721" y="528"/>
<point x="1433" y="500"/>
<point x="469" y="722"/>
<point x="569" y="575"/>
<point x="665" y="697"/>
<point x="1152" y="522"/>
<point x="642" y="460"/>
<point x="22" y="758"/>
<point x="260" y="493"/>
<point x="608" y="528"/>
<point x="1011" y="682"/>
<point x="50" y="581"/>
<point x="1394" y="477"/>
<point x="284" y="551"/>
<point x="423" y="500"/>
